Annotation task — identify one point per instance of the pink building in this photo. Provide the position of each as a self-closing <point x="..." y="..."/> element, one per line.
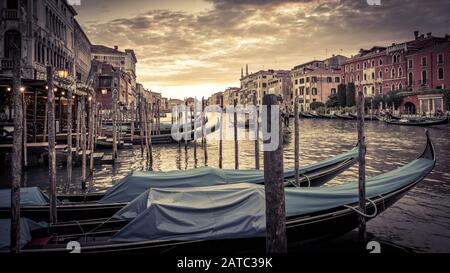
<point x="422" y="64"/>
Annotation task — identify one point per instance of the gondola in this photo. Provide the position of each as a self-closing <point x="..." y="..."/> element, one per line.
<point x="418" y="122"/>
<point x="306" y="115"/>
<point x="344" y="117"/>
<point x="366" y="117"/>
<point x="327" y="116"/>
<point x="197" y="226"/>
<point x="92" y="206"/>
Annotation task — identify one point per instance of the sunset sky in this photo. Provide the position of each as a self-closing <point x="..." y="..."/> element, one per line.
<point x="197" y="47"/>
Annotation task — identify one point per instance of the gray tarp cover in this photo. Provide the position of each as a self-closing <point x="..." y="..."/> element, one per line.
<point x="136" y="183"/>
<point x="236" y="211"/>
<point x="26" y="226"/>
<point x="28" y="197"/>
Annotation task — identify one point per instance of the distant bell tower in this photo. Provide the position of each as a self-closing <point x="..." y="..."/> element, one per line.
<point x="242" y="72"/>
<point x="246" y="70"/>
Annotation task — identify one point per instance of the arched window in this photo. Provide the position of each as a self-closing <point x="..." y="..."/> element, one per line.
<point x="373" y="90"/>
<point x="440" y="73"/>
<point x="365" y="77"/>
<point x="365" y="90"/>
<point x="393" y="73"/>
<point x="393" y="87"/>
<point x="358" y="78"/>
<point x="400" y="72"/>
<point x="372" y="63"/>
<point x="380" y="89"/>
<point x="380" y="62"/>
<point x="380" y="74"/>
<point x="333" y="91"/>
<point x="394" y="59"/>
<point x="410" y="79"/>
<point x="373" y="75"/>
<point x="424" y="77"/>
<point x="13" y="41"/>
<point x="400" y="86"/>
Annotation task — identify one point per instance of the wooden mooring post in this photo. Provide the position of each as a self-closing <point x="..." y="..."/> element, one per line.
<point x="221" y="135"/>
<point x="296" y="142"/>
<point x="17" y="150"/>
<point x="51" y="144"/>
<point x="83" y="141"/>
<point x="362" y="168"/>
<point x="77" y="137"/>
<point x="141" y="124"/>
<point x="185" y="125"/>
<point x="69" y="138"/>
<point x="193" y="118"/>
<point x="114" y="124"/>
<point x="25" y="130"/>
<point x="92" y="114"/>
<point x="257" y="164"/>
<point x="205" y="147"/>
<point x="276" y="241"/>
<point x="132" y="123"/>
<point x="236" y="144"/>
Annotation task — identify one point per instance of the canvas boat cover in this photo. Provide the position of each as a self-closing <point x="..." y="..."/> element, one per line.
<point x="28" y="197"/>
<point x="137" y="182"/>
<point x="26" y="226"/>
<point x="238" y="211"/>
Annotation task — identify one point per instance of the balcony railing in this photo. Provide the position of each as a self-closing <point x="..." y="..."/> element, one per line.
<point x="10" y="14"/>
<point x="6" y="64"/>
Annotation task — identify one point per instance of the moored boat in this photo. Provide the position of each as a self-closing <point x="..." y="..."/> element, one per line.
<point x="207" y="216"/>
<point x="424" y="122"/>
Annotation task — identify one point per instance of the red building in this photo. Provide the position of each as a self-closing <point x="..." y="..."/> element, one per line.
<point x="422" y="64"/>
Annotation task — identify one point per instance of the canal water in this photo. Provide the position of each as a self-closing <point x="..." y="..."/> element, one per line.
<point x="419" y="222"/>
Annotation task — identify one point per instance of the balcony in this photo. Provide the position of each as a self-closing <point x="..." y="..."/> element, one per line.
<point x="6" y="64"/>
<point x="10" y="14"/>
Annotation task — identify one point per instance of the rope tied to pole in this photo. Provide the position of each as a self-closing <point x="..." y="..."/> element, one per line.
<point x="371" y="216"/>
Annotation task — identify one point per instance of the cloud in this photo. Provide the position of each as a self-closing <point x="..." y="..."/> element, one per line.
<point x="179" y="48"/>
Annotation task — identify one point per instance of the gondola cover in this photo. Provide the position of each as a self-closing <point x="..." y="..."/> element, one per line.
<point x="137" y="182"/>
<point x="238" y="211"/>
<point x="26" y="226"/>
<point x="28" y="197"/>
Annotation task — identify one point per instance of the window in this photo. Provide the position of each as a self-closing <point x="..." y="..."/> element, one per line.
<point x="12" y="4"/>
<point x="410" y="64"/>
<point x="424" y="61"/>
<point x="296" y="81"/>
<point x="372" y="63"/>
<point x="400" y="86"/>
<point x="333" y="91"/>
<point x="365" y="90"/>
<point x="440" y="58"/>
<point x="302" y="80"/>
<point x="380" y="74"/>
<point x="394" y="59"/>
<point x="302" y="91"/>
<point x="307" y="79"/>
<point x="380" y="62"/>
<point x="373" y="75"/>
<point x="329" y="79"/>
<point x="380" y="89"/>
<point x="424" y="77"/>
<point x="440" y="73"/>
<point x="393" y="87"/>
<point x="13" y="38"/>
<point x="314" y="91"/>
<point x="358" y="78"/>
<point x="393" y="73"/>
<point x="307" y="91"/>
<point x="410" y="79"/>
<point x="373" y="90"/>
<point x="400" y="72"/>
<point x="365" y="77"/>
<point x="365" y="65"/>
<point x="357" y="67"/>
<point x="337" y="79"/>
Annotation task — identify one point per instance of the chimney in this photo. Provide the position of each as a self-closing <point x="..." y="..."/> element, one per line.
<point x="416" y="34"/>
<point x="242" y="72"/>
<point x="429" y="34"/>
<point x="116" y="47"/>
<point x="246" y="70"/>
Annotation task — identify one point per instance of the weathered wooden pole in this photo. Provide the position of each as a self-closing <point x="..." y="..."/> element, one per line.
<point x="51" y="144"/>
<point x="25" y="131"/>
<point x="132" y="122"/>
<point x="69" y="137"/>
<point x="44" y="134"/>
<point x="158" y="117"/>
<point x="17" y="150"/>
<point x="35" y="115"/>
<point x="77" y="137"/>
<point x="114" y="123"/>
<point x="276" y="241"/>
<point x="221" y="135"/>
<point x="257" y="164"/>
<point x="297" y="142"/>
<point x="205" y="147"/>
<point x="362" y="167"/>
<point x="193" y="119"/>
<point x="83" y="142"/>
<point x="149" y="139"/>
<point x="92" y="110"/>
<point x="236" y="145"/>
<point x="141" y="125"/>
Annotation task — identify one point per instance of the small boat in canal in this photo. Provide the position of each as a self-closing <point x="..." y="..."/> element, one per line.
<point x="366" y="117"/>
<point x="233" y="216"/>
<point x="345" y="116"/>
<point x="424" y="122"/>
<point x="92" y="206"/>
<point x="306" y="115"/>
<point x="327" y="116"/>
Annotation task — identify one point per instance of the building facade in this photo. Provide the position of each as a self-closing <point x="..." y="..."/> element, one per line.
<point x="82" y="49"/>
<point x="44" y="32"/>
